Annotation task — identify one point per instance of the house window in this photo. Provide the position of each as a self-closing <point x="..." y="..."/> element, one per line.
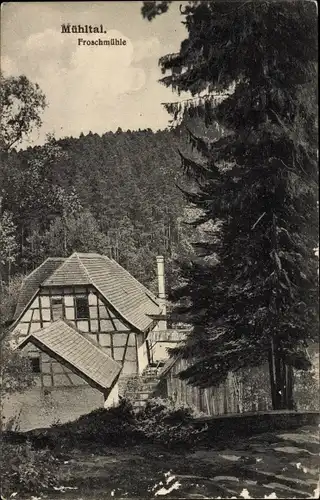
<point x="82" y="307"/>
<point x="35" y="365"/>
<point x="57" y="308"/>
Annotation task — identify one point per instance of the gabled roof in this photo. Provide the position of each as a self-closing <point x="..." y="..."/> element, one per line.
<point x="70" y="272"/>
<point x="32" y="282"/>
<point x="63" y="342"/>
<point x="131" y="299"/>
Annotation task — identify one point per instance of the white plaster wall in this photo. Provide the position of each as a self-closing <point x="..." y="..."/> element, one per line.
<point x="37" y="407"/>
<point x="160" y="350"/>
<point x="113" y="398"/>
<point x="142" y="357"/>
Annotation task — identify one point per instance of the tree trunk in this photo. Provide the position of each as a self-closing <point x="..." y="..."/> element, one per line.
<point x="289" y="387"/>
<point x="285" y="384"/>
<point x="22" y="240"/>
<point x="272" y="378"/>
<point x="281" y="381"/>
<point x="9" y="271"/>
<point x="65" y="239"/>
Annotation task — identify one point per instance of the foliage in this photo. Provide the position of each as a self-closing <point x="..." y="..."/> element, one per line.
<point x="8" y="244"/>
<point x="306" y="390"/>
<point x="150" y="10"/>
<point x="79" y="232"/>
<point x="15" y="372"/>
<point x="121" y="184"/>
<point x="9" y="293"/>
<point x="125" y="181"/>
<point x="12" y="424"/>
<point x="255" y="385"/>
<point x="166" y="409"/>
<point x="26" y="470"/>
<point x="21" y="104"/>
<point x="161" y="422"/>
<point x="115" y="426"/>
<point x="255" y="300"/>
<point x="167" y="423"/>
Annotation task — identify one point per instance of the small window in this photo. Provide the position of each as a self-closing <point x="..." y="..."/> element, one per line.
<point x="57" y="308"/>
<point x="82" y="307"/>
<point x="56" y="301"/>
<point x="35" y="365"/>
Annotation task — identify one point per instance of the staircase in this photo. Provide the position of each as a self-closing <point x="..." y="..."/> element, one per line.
<point x="141" y="388"/>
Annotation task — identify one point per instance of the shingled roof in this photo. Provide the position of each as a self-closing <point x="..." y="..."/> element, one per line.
<point x="125" y="294"/>
<point x="70" y="273"/>
<point x="63" y="342"/>
<point x="31" y="283"/>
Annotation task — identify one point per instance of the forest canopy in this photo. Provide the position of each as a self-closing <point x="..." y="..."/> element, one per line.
<point x="114" y="194"/>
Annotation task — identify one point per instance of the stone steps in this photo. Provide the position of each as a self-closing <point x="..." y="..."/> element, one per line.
<point x="141" y="388"/>
<point x="139" y="396"/>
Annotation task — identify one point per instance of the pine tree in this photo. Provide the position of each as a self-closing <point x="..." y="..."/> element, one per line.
<point x="75" y="232"/>
<point x="251" y="68"/>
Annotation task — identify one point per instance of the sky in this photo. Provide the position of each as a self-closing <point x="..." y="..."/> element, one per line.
<point x="91" y="88"/>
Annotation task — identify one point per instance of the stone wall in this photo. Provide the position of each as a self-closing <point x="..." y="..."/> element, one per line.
<point x="232" y="426"/>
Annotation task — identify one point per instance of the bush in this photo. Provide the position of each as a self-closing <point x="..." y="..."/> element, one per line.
<point x="306" y="390"/>
<point x="159" y="422"/>
<point x="26" y="470"/>
<point x="115" y="426"/>
<point x="165" y="410"/>
<point x="164" y="422"/>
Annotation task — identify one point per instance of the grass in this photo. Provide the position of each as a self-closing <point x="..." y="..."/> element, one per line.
<point x="264" y="465"/>
<point x="115" y="453"/>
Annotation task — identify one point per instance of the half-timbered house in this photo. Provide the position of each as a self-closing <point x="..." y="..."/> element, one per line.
<point x="84" y="322"/>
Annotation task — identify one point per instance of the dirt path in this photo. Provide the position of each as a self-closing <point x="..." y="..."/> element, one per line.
<point x="275" y="465"/>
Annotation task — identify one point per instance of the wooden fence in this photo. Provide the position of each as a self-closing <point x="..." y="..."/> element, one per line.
<point x="246" y="391"/>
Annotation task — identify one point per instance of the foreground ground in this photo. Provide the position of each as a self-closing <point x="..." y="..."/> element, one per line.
<point x="272" y="465"/>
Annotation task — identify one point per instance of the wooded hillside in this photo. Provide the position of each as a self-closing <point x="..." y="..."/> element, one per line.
<point x="114" y="193"/>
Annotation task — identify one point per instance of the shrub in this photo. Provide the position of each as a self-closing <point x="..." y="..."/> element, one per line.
<point x="160" y="421"/>
<point x="166" y="410"/>
<point x="164" y="422"/>
<point x="26" y="470"/>
<point x="306" y="390"/>
<point x="116" y="426"/>
<point x="12" y="424"/>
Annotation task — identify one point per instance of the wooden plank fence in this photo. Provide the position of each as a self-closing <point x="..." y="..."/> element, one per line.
<point x="243" y="392"/>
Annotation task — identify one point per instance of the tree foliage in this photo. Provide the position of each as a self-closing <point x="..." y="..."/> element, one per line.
<point x="76" y="232"/>
<point x="21" y="104"/>
<point x="257" y="182"/>
<point x="15" y="375"/>
<point x="150" y="10"/>
<point x="8" y="243"/>
<point x="15" y="371"/>
<point x="114" y="193"/>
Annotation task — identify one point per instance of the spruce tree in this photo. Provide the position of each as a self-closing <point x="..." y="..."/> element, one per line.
<point x="257" y="183"/>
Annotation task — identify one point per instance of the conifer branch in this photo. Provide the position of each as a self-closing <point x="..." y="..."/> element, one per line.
<point x="258" y="220"/>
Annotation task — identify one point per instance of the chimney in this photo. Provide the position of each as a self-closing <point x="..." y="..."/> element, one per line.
<point x="162" y="325"/>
